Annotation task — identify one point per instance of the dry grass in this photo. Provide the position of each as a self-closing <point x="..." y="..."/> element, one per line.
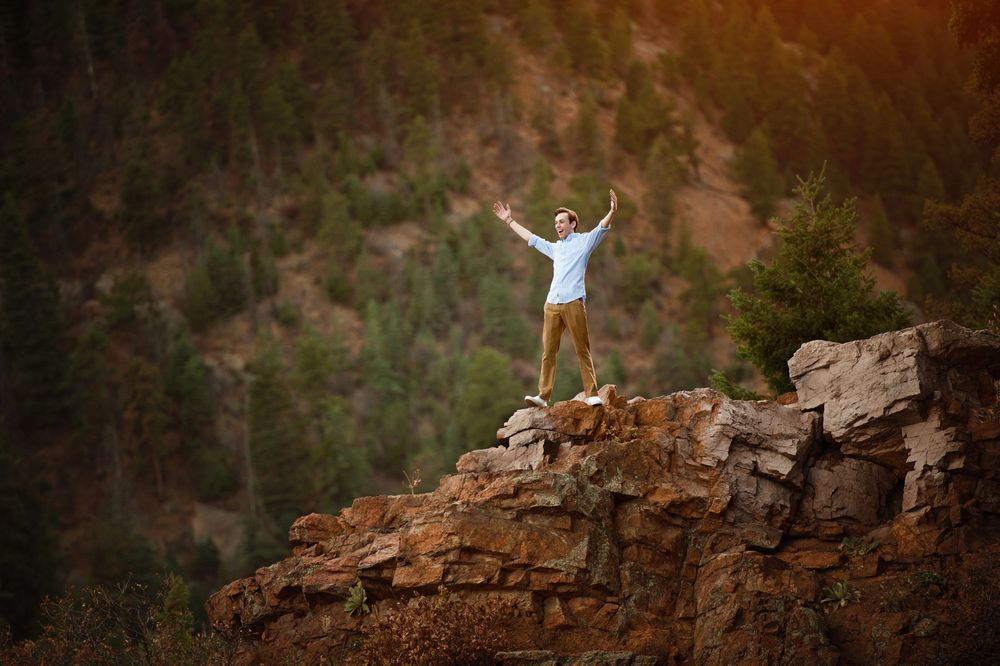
<point x="440" y="630"/>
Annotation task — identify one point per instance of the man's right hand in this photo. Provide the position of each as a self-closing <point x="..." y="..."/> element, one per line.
<point x="502" y="211"/>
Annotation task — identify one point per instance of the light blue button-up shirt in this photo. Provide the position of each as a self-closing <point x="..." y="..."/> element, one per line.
<point x="569" y="262"/>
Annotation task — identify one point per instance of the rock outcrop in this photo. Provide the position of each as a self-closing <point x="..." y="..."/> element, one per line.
<point x="690" y="527"/>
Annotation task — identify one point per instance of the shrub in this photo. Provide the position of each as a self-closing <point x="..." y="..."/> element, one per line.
<point x="99" y="626"/>
<point x="439" y="630"/>
<point x="858" y="546"/>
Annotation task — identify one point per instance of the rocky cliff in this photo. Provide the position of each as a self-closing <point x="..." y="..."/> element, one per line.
<point x="854" y="525"/>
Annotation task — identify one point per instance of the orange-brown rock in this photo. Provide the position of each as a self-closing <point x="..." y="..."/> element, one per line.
<point x="689" y="527"/>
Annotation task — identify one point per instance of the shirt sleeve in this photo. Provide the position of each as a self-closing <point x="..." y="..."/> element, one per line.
<point x="595" y="235"/>
<point x="542" y="245"/>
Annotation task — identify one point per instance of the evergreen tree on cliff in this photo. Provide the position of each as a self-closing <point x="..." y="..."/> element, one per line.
<point x="817" y="288"/>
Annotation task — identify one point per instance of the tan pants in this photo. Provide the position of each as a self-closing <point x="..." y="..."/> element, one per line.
<point x="559" y="317"/>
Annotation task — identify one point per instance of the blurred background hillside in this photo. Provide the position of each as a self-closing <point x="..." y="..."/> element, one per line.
<point x="248" y="268"/>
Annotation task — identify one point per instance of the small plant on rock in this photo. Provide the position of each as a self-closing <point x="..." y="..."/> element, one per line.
<point x="412" y="482"/>
<point x="858" y="546"/>
<point x="928" y="583"/>
<point x="357" y="601"/>
<point x="841" y="594"/>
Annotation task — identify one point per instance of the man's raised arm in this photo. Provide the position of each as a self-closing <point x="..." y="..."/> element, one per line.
<point x="503" y="212"/>
<point x="606" y="222"/>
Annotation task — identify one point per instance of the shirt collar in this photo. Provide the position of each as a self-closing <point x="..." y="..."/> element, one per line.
<point x="569" y="236"/>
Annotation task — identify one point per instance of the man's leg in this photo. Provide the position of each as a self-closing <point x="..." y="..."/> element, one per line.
<point x="575" y="316"/>
<point x="552" y="330"/>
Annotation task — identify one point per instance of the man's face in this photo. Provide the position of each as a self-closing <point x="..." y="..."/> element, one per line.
<point x="563" y="226"/>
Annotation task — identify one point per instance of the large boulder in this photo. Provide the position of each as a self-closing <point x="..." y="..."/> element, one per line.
<point x="913" y="402"/>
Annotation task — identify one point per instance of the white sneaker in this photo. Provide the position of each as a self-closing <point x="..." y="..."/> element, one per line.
<point x="594" y="401"/>
<point x="534" y="401"/>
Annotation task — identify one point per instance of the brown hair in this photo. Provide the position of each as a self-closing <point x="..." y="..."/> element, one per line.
<point x="573" y="217"/>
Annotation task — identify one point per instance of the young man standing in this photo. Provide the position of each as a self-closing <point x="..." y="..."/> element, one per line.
<point x="565" y="304"/>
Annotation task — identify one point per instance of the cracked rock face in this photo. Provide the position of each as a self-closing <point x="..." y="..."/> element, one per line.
<point x="913" y="402"/>
<point x="689" y="527"/>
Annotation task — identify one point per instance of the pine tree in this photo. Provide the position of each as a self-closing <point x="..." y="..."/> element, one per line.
<point x="786" y="110"/>
<point x="386" y="423"/>
<point x="816" y="289"/>
<point x="930" y="187"/>
<point x="187" y="382"/>
<point x="587" y="51"/>
<point x="140" y="205"/>
<point x="886" y="170"/>
<point x="883" y="239"/>
<point x="649" y="326"/>
<point x="701" y="297"/>
<point x="418" y="73"/>
<point x="835" y="108"/>
<point x="145" y="415"/>
<point x="279" y="458"/>
<point x="586" y="135"/>
<point x="174" y="620"/>
<point x="642" y="116"/>
<point x="503" y="325"/>
<point x="420" y="165"/>
<point x="697" y="51"/>
<point x="620" y="42"/>
<point x="539" y="204"/>
<point x="640" y="274"/>
<point x="370" y="284"/>
<point x="119" y="552"/>
<point x="333" y="42"/>
<point x="27" y="544"/>
<point x="280" y="129"/>
<point x="445" y="282"/>
<point x="486" y="397"/>
<point x="756" y="168"/>
<point x="342" y="467"/>
<point x="90" y="397"/>
<point x="216" y="287"/>
<point x="664" y="174"/>
<point x="543" y="121"/>
<point x="31" y="339"/>
<point x="185" y="83"/>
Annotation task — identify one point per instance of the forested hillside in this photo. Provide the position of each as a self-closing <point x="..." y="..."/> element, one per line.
<point x="248" y="268"/>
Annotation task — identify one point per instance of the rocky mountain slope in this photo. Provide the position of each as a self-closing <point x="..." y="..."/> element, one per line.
<point x="856" y="523"/>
